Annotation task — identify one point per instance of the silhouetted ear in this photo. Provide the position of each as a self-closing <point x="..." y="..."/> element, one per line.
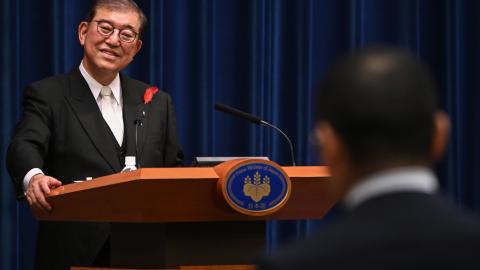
<point x="82" y="32"/>
<point x="331" y="145"/>
<point x="336" y="156"/>
<point x="440" y="135"/>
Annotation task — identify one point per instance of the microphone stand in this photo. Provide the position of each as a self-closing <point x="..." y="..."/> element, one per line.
<point x="138" y="123"/>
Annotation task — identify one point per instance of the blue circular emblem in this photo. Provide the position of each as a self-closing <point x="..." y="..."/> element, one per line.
<point x="257" y="188"/>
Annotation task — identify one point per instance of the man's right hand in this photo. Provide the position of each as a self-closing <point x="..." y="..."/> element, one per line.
<point x="38" y="187"/>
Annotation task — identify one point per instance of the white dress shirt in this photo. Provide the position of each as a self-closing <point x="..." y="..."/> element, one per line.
<point x="96" y="87"/>
<point x="404" y="179"/>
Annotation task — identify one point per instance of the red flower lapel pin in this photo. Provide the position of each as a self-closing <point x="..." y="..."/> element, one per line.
<point x="147" y="97"/>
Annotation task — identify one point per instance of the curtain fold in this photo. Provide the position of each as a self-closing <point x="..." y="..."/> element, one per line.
<point x="262" y="56"/>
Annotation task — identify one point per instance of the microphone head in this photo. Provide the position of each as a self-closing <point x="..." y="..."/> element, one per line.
<point x="221" y="107"/>
<point x="235" y="112"/>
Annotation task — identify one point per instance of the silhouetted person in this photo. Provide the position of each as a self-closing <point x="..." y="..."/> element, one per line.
<point x="379" y="130"/>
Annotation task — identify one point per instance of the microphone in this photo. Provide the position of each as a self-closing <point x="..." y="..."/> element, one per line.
<point x="227" y="109"/>
<point x="256" y="120"/>
<point x="138" y="123"/>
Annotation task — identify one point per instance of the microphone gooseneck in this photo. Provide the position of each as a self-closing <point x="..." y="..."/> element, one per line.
<point x="256" y="120"/>
<point x="292" y="156"/>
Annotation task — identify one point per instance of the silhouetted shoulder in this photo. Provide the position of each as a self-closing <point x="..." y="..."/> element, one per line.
<point x="401" y="231"/>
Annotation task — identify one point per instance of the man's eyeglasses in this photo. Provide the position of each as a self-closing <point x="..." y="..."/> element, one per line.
<point x="106" y="29"/>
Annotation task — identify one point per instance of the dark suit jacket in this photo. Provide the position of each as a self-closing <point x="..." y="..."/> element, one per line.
<point x="62" y="132"/>
<point x="396" y="231"/>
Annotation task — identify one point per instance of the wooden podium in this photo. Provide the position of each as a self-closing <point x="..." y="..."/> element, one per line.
<point x="172" y="217"/>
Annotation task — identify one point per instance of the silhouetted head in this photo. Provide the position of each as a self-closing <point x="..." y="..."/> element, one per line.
<point x="377" y="109"/>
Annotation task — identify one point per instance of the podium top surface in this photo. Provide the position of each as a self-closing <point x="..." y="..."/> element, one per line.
<point x="179" y="195"/>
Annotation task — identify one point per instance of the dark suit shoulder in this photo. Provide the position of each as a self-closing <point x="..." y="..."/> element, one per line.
<point x="50" y="90"/>
<point x="53" y="83"/>
<point x="137" y="88"/>
<point x="388" y="231"/>
<point x="133" y="83"/>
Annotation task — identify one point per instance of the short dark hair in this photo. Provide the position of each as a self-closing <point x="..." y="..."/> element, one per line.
<point x="118" y="5"/>
<point x="381" y="101"/>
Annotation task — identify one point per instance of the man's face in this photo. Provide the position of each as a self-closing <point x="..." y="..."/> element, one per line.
<point x="109" y="54"/>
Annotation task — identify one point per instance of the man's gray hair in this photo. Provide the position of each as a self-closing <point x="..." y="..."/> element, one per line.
<point x="118" y="5"/>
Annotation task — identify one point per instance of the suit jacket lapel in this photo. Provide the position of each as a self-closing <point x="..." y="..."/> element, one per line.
<point x="86" y="109"/>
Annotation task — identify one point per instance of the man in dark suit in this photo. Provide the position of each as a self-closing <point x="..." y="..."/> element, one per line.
<point x="81" y="125"/>
<point x="379" y="130"/>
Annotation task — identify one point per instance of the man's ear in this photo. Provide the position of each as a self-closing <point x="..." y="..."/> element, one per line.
<point x="336" y="156"/>
<point x="82" y="32"/>
<point x="331" y="145"/>
<point x="440" y="135"/>
<point x="138" y="46"/>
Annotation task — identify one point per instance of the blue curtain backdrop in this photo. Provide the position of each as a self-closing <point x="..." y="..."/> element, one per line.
<point x="262" y="56"/>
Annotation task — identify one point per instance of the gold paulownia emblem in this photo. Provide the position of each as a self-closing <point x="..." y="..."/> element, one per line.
<point x="258" y="189"/>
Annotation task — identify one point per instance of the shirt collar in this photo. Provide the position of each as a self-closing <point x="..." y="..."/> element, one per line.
<point x="96" y="87"/>
<point x="406" y="179"/>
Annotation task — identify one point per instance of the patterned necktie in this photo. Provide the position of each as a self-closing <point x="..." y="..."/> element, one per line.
<point x="111" y="113"/>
